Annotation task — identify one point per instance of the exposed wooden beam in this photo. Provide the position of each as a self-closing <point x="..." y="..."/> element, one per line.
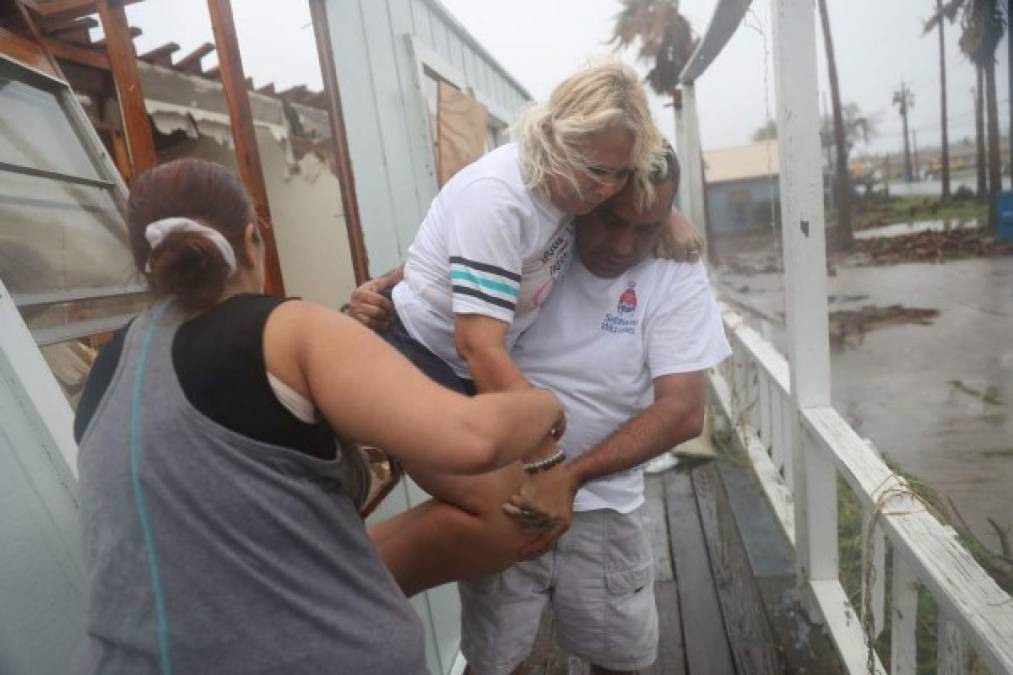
<point x="160" y="56"/>
<point x="123" y="59"/>
<point x="342" y="159"/>
<point x="237" y="97"/>
<point x="134" y="32"/>
<point x="294" y="93"/>
<point x="214" y="73"/>
<point x="33" y="28"/>
<point x="191" y="62"/>
<point x="24" y="50"/>
<point x="61" y="10"/>
<point x="92" y="81"/>
<point x="81" y="55"/>
<point x="76" y="25"/>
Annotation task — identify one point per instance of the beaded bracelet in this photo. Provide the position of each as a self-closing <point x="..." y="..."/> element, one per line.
<point x="545" y="464"/>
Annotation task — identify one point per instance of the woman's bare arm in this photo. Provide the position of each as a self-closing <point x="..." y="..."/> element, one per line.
<point x="371" y="394"/>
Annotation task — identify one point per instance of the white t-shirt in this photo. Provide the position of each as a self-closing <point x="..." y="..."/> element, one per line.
<point x="490" y="246"/>
<point x="600" y="343"/>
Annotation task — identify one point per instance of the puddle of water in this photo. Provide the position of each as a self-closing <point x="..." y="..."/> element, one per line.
<point x="935" y="399"/>
<point x="899" y="229"/>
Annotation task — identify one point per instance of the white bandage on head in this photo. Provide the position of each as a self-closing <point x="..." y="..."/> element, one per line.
<point x="157" y="231"/>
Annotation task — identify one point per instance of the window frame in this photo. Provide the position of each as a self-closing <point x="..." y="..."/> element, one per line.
<point x="108" y="179"/>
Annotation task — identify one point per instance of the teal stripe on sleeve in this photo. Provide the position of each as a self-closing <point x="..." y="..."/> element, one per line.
<point x="485" y="283"/>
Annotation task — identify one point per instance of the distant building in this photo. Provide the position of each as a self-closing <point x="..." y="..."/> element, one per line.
<point x="742" y="188"/>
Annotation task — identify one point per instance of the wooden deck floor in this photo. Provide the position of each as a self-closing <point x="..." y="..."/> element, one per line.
<point x="716" y="614"/>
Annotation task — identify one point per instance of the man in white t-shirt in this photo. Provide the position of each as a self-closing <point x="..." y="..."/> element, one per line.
<point x="624" y="341"/>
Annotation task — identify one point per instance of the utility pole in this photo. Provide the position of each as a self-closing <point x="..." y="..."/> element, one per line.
<point x="886" y="175"/>
<point x="914" y="143"/>
<point x="979" y="134"/>
<point x="904" y="99"/>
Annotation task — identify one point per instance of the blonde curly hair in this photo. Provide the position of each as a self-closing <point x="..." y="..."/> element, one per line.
<point x="553" y="136"/>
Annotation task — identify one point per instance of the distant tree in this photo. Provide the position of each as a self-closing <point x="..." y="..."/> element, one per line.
<point x="665" y="37"/>
<point x="858" y="128"/>
<point x="767" y="132"/>
<point x="945" y="11"/>
<point x="983" y="24"/>
<point x="842" y="182"/>
<point x="904" y="99"/>
<point x="981" y="164"/>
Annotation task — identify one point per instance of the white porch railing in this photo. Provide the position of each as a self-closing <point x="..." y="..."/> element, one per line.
<point x="752" y="390"/>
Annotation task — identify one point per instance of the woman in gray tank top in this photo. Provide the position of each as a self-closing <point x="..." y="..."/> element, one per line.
<point x="211" y="551"/>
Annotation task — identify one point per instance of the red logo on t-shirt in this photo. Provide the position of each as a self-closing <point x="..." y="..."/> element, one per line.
<point x="628" y="300"/>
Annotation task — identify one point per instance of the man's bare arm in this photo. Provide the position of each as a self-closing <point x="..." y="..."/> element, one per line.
<point x="676" y="416"/>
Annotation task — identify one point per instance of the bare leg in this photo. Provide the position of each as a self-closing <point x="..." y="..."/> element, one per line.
<point x="437" y="542"/>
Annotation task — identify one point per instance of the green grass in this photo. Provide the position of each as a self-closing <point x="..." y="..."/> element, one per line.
<point x="851" y="543"/>
<point x="888" y="210"/>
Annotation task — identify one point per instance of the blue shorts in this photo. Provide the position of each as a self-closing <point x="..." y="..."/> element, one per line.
<point x="429" y="363"/>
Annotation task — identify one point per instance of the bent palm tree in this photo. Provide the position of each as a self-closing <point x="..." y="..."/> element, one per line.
<point x="944" y="12"/>
<point x="983" y="24"/>
<point x="842" y="182"/>
<point x="665" y="37"/>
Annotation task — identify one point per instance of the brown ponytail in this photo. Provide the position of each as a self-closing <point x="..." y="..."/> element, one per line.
<point x="188" y="266"/>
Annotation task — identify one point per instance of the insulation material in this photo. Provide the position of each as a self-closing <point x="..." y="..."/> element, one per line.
<point x="194" y="122"/>
<point x="460" y="131"/>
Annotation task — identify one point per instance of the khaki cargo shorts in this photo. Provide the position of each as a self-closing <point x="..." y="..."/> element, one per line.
<point x="599" y="579"/>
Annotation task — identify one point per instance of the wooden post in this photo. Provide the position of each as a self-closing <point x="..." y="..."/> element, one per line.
<point x="37" y="34"/>
<point x="123" y="62"/>
<point x="243" y="135"/>
<point x="801" y="185"/>
<point x="692" y="159"/>
<point x="342" y="158"/>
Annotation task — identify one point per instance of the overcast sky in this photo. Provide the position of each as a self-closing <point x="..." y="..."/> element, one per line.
<point x="879" y="43"/>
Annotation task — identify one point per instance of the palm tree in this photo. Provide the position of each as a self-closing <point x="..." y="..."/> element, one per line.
<point x="983" y="24"/>
<point x="944" y="12"/>
<point x="904" y="99"/>
<point x="845" y="237"/>
<point x="979" y="135"/>
<point x="665" y="36"/>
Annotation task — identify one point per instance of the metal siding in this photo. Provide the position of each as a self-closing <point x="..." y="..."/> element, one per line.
<point x="358" y="82"/>
<point x="421" y="20"/>
<point x="393" y="116"/>
<point x="42" y="585"/>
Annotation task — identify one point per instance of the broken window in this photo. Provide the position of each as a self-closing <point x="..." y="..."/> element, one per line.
<point x="64" y="254"/>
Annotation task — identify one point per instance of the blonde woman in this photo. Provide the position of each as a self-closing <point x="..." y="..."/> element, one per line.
<point x="495" y="240"/>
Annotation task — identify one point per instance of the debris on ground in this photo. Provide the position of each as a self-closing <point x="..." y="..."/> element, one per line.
<point x="749" y="265"/>
<point x="933" y="246"/>
<point x="991" y="394"/>
<point x="833" y="298"/>
<point x="848" y="325"/>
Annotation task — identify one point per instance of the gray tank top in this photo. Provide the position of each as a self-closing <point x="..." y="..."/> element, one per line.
<point x="210" y="552"/>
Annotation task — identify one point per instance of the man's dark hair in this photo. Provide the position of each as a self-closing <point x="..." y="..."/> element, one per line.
<point x="669" y="171"/>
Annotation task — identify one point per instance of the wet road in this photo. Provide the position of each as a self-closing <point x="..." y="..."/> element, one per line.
<point x="938" y="399"/>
